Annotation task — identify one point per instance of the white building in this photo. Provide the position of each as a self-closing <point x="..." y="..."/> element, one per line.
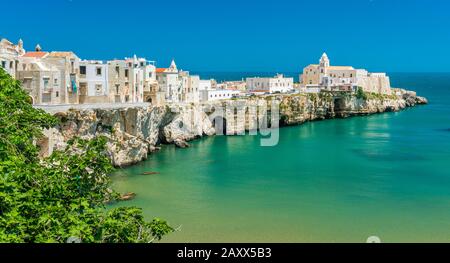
<point x="119" y="84"/>
<point x="169" y="82"/>
<point x="94" y="80"/>
<point x="217" y="94"/>
<point x="131" y="80"/>
<point x="41" y="80"/>
<point x="178" y="86"/>
<point x="136" y="70"/>
<point x="205" y="84"/>
<point x="277" y="84"/>
<point x="190" y="87"/>
<point x="343" y="78"/>
<point x="50" y="78"/>
<point x="67" y="63"/>
<point x="152" y="93"/>
<point x="9" y="55"/>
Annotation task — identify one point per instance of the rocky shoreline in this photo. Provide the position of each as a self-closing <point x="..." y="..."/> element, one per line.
<point x="134" y="132"/>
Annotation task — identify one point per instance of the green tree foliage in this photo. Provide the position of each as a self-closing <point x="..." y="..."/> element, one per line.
<point x="360" y="94"/>
<point x="62" y="196"/>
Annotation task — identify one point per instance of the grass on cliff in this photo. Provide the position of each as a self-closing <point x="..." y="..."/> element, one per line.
<point x="62" y="196"/>
<point x="360" y="94"/>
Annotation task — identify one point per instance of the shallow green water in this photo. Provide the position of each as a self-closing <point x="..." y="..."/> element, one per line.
<point x="330" y="181"/>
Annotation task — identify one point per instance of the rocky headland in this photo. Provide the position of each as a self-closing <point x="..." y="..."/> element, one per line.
<point x="134" y="132"/>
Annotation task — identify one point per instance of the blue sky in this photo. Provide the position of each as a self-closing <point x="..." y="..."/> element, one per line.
<point x="278" y="35"/>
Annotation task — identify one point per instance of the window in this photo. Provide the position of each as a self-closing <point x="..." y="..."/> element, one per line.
<point x="98" y="70"/>
<point x="57" y="94"/>
<point x="117" y="88"/>
<point x="117" y="71"/>
<point x="55" y="81"/>
<point x="126" y="73"/>
<point x="83" y="70"/>
<point x="11" y="64"/>
<point x="46" y="80"/>
<point x="3" y="64"/>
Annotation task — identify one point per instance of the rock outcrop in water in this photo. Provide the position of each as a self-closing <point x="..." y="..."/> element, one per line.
<point x="135" y="132"/>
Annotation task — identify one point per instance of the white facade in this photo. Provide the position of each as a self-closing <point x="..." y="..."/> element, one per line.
<point x="94" y="74"/>
<point x="279" y="83"/>
<point x="68" y="64"/>
<point x="43" y="81"/>
<point x="178" y="86"/>
<point x="136" y="78"/>
<point x="205" y="84"/>
<point x="9" y="55"/>
<point x="191" y="91"/>
<point x="50" y="78"/>
<point x="169" y="82"/>
<point x="152" y="92"/>
<point x="344" y="78"/>
<point x="119" y="85"/>
<point x="217" y="94"/>
<point x="150" y="72"/>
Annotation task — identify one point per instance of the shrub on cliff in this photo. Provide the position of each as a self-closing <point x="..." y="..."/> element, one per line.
<point x="61" y="197"/>
<point x="360" y="94"/>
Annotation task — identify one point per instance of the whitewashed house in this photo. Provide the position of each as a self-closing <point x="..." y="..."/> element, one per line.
<point x="205" y="84"/>
<point x="169" y="82"/>
<point x="50" y="78"/>
<point x="190" y="87"/>
<point x="132" y="80"/>
<point x="217" y="94"/>
<point x="152" y="93"/>
<point x="277" y="84"/>
<point x="9" y="55"/>
<point x="136" y="78"/>
<point x="118" y="81"/>
<point x="94" y="81"/>
<point x="41" y="80"/>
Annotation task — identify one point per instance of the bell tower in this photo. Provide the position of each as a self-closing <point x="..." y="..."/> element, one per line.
<point x="323" y="65"/>
<point x="324" y="61"/>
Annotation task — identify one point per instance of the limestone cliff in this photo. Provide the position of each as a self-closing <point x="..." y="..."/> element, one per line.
<point x="136" y="131"/>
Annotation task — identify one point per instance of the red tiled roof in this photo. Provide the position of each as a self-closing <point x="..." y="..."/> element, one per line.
<point x="36" y="54"/>
<point x="160" y="70"/>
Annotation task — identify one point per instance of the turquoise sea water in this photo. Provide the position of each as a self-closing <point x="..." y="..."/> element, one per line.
<point x="339" y="180"/>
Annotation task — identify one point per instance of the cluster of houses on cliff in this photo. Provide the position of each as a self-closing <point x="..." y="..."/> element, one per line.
<point x="54" y="77"/>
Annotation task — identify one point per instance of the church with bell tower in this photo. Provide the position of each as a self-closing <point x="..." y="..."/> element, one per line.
<point x="323" y="76"/>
